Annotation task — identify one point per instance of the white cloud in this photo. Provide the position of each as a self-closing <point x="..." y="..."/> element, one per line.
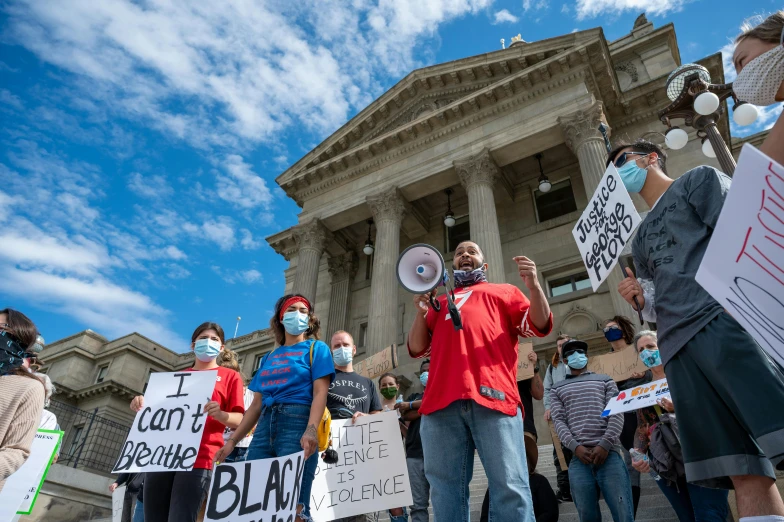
<point x="172" y="252"/>
<point x="565" y="9"/>
<point x="219" y="73"/>
<point x="594" y="8"/>
<point x="247" y="242"/>
<point x="251" y="276"/>
<point x="504" y="16"/>
<point x="238" y="276"/>
<point x="536" y="5"/>
<point x="241" y="186"/>
<point x="220" y="232"/>
<point x="152" y="187"/>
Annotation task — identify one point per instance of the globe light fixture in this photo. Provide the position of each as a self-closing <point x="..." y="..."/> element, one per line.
<point x="697" y="102"/>
<point x="707" y="148"/>
<point x="449" y="217"/>
<point x="706" y="103"/>
<point x="744" y="113"/>
<point x="676" y="138"/>
<point x="368" y="249"/>
<point x="544" y="182"/>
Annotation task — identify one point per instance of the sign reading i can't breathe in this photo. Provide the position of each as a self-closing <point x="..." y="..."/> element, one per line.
<point x="166" y="433"/>
<point x="371" y="474"/>
<point x="264" y="490"/>
<point x="605" y="226"/>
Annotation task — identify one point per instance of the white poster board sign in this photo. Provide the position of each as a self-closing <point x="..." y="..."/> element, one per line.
<point x="118" y="502"/>
<point x="636" y="398"/>
<point x="166" y="433"/>
<point x="371" y="474"/>
<point x="743" y="267"/>
<point x="605" y="226"/>
<point x="264" y="490"/>
<point x="22" y="487"/>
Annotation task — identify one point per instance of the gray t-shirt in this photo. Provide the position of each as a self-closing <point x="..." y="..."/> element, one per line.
<point x="668" y="249"/>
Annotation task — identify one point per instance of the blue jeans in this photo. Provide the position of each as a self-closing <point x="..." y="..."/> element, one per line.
<point x="420" y="490"/>
<point x="277" y="434"/>
<point x="138" y="513"/>
<point x="613" y="480"/>
<point x="693" y="503"/>
<point x="237" y="455"/>
<point x="449" y="438"/>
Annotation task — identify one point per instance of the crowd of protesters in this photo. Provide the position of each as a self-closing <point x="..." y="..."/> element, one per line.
<point x="715" y="434"/>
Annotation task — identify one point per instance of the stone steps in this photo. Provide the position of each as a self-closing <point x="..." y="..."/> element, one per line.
<point x="653" y="504"/>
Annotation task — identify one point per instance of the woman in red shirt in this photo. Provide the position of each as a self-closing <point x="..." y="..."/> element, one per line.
<point x="178" y="495"/>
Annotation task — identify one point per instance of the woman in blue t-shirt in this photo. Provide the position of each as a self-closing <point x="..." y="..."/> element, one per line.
<point x="290" y="393"/>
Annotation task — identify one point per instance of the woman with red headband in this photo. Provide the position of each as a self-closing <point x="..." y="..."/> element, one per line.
<point x="290" y="394"/>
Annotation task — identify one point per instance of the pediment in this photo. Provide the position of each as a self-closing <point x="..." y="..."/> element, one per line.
<point x="430" y="89"/>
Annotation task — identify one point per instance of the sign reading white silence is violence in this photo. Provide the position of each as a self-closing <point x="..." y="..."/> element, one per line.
<point x="743" y="267"/>
<point x="167" y="432"/>
<point x="636" y="398"/>
<point x="264" y="490"/>
<point x="22" y="487"/>
<point x="371" y="474"/>
<point x="605" y="226"/>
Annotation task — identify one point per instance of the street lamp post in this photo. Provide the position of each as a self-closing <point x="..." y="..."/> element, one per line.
<point x="698" y="102"/>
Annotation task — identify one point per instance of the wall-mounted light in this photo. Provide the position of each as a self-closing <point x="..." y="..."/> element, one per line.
<point x="544" y="182"/>
<point x="369" y="249"/>
<point x="449" y="217"/>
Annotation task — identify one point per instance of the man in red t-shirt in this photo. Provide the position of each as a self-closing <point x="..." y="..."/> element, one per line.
<point x="473" y="402"/>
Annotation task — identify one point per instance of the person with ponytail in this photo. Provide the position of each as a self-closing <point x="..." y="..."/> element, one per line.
<point x="22" y="394"/>
<point x="178" y="495"/>
<point x="228" y="359"/>
<point x="289" y="394"/>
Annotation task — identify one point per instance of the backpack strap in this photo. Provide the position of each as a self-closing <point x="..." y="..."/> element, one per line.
<point x="311" y="353"/>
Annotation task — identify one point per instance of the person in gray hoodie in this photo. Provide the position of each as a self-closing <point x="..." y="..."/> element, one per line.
<point x="557" y="372"/>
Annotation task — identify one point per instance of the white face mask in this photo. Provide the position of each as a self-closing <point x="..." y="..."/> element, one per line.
<point x="761" y="78"/>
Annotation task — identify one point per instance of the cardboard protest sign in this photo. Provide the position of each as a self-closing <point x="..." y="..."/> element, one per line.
<point x="118" y="502"/>
<point x="371" y="474"/>
<point x="605" y="226"/>
<point x="377" y="364"/>
<point x="743" y="267"/>
<point x="264" y="490"/>
<point x="618" y="365"/>
<point x="21" y="489"/>
<point x="166" y="433"/>
<point x="525" y="370"/>
<point x="638" y="397"/>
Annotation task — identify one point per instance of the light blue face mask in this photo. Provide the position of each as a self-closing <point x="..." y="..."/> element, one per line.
<point x="295" y="322"/>
<point x="650" y="358"/>
<point x="343" y="355"/>
<point x="577" y="360"/>
<point x="206" y="350"/>
<point x="632" y="176"/>
<point x="423" y="378"/>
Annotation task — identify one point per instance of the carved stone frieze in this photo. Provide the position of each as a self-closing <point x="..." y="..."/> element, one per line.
<point x="312" y="235"/>
<point x="388" y="205"/>
<point x="343" y="266"/>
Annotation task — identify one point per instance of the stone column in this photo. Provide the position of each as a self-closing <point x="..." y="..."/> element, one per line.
<point x="582" y="136"/>
<point x="478" y="174"/>
<point x="388" y="209"/>
<point x="310" y="238"/>
<point x="342" y="269"/>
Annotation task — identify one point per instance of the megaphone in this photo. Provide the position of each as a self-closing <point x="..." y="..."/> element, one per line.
<point x="420" y="270"/>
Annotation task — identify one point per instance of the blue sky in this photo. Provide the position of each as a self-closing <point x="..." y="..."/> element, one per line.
<point x="140" y="140"/>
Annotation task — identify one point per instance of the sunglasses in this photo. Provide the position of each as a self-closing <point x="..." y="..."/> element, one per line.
<point x="624" y="157"/>
<point x="574" y="350"/>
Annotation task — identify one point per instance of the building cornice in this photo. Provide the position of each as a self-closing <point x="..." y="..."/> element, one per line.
<point x="108" y="387"/>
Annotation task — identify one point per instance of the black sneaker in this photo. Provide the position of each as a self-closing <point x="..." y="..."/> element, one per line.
<point x="562" y="498"/>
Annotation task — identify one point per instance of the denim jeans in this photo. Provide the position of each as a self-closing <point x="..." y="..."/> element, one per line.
<point x="277" y="434"/>
<point x="138" y="513"/>
<point x="449" y="438"/>
<point x="613" y="480"/>
<point x="420" y="490"/>
<point x="237" y="455"/>
<point x="693" y="503"/>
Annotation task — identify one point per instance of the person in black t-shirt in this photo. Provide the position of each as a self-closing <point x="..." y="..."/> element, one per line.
<point x="415" y="458"/>
<point x="350" y="395"/>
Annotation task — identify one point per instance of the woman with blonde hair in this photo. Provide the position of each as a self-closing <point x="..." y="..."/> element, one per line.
<point x="228" y="359"/>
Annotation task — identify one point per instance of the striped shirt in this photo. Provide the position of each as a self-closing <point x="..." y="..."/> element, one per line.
<point x="576" y="406"/>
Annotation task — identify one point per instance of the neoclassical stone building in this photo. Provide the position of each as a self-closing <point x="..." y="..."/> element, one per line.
<point x="485" y="128"/>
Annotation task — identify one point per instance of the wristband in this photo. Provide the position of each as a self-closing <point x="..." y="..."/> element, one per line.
<point x="411" y="405"/>
<point x="235" y="441"/>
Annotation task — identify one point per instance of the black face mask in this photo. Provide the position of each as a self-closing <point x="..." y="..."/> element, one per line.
<point x="12" y="354"/>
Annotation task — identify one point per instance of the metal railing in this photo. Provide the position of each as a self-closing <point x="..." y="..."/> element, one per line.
<point x="91" y="441"/>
